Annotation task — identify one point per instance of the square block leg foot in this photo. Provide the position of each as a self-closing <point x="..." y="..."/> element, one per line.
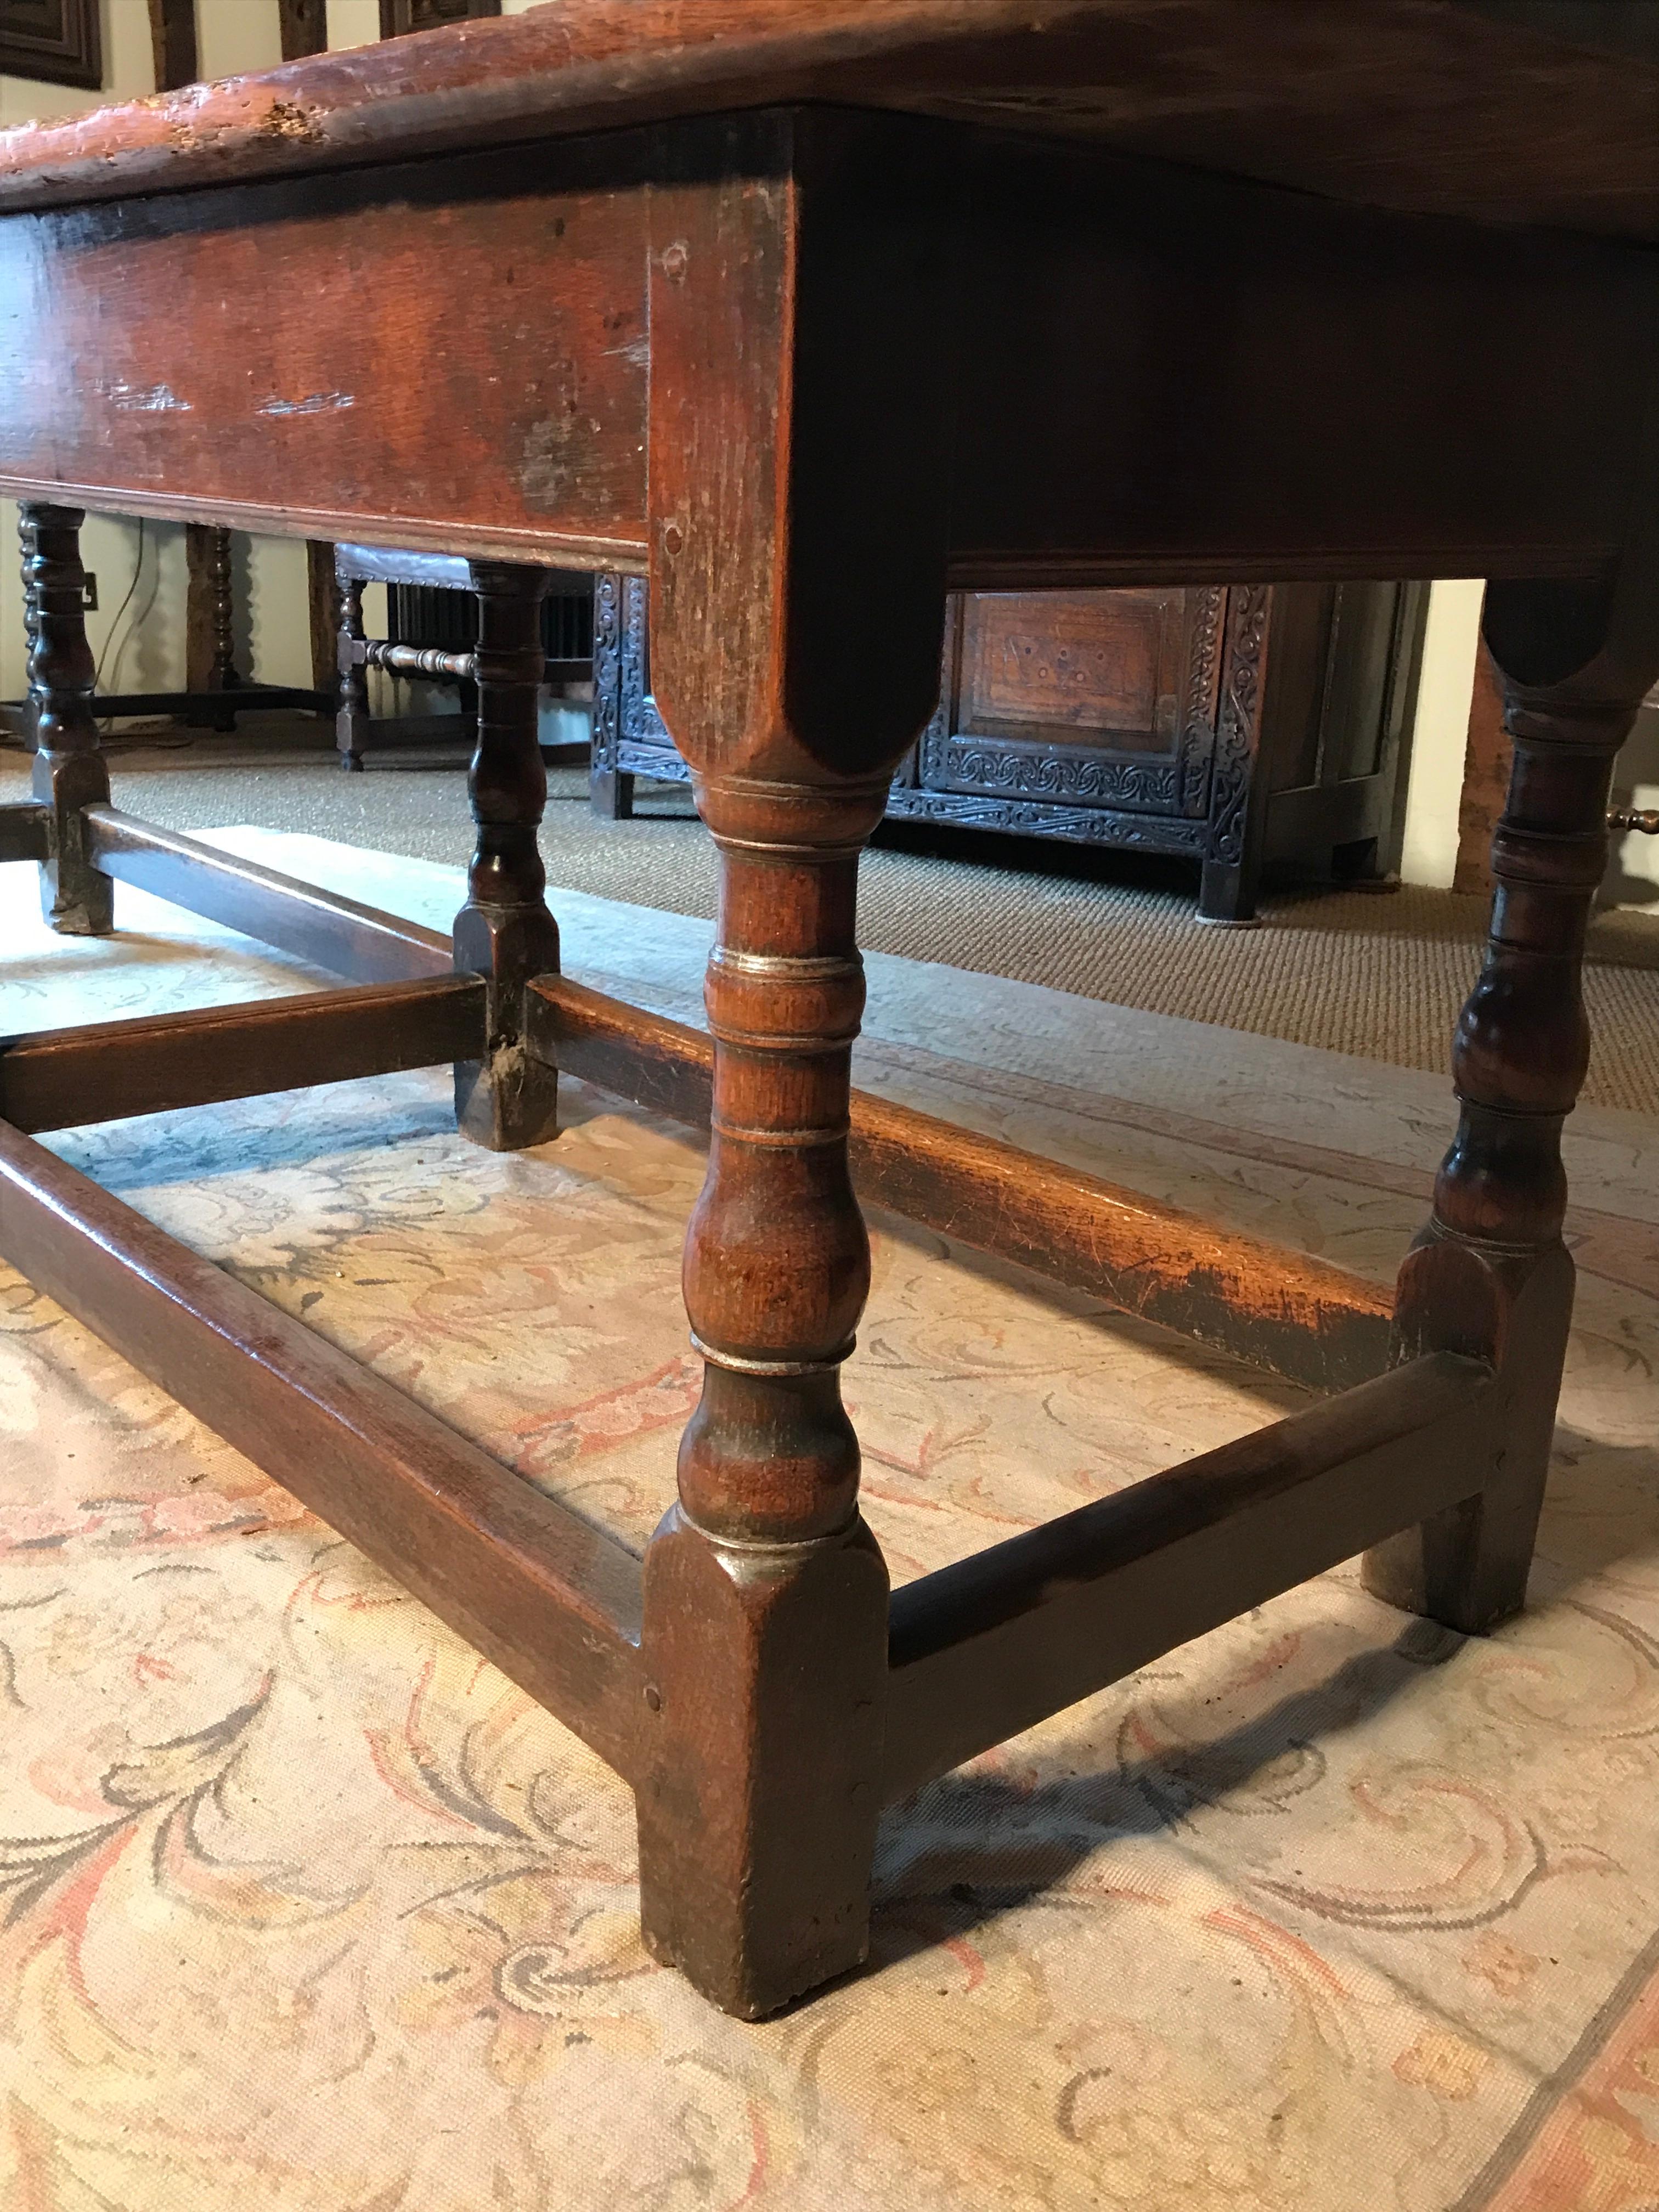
<point x="766" y="1670"/>
<point x="76" y="900"/>
<point x="507" y="1099"/>
<point x="1467" y="1568"/>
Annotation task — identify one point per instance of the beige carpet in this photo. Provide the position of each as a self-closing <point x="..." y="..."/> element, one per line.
<point x="304" y="1909"/>
<point x="1381" y="974"/>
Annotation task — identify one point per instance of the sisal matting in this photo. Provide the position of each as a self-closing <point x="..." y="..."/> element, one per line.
<point x="1378" y="973"/>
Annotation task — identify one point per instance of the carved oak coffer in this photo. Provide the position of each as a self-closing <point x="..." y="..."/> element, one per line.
<point x="1234" y="725"/>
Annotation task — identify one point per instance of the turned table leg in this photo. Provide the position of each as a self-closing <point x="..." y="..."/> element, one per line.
<point x="70" y="773"/>
<point x="1490" y="1275"/>
<point x="765" y="1595"/>
<point x="796" y="406"/>
<point x="504" y="931"/>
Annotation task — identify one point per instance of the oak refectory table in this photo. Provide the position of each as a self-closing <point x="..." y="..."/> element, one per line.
<point x="740" y="295"/>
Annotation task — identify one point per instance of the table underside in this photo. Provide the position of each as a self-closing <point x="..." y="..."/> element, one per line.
<point x="1150" y="374"/>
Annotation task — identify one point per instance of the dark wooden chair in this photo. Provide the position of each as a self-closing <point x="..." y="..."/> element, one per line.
<point x="224" y="692"/>
<point x="434" y="631"/>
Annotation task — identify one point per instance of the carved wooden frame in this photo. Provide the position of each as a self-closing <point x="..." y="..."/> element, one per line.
<point x="72" y="51"/>
<point x="977" y="765"/>
<point x="399" y="18"/>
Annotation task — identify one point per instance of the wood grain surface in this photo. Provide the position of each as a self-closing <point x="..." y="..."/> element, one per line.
<point x="1441" y="105"/>
<point x="278" y="362"/>
<point x="333" y="932"/>
<point x="68" y="1079"/>
<point x="1380" y="397"/>
<point x="993" y="1644"/>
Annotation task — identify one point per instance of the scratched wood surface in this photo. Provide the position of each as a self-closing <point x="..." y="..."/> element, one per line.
<point x="1463" y="107"/>
<point x="278" y="359"/>
<point x="1391" y="399"/>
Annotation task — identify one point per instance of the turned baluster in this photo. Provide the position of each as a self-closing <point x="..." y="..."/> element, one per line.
<point x="69" y="773"/>
<point x="766" y="1596"/>
<point x="222" y="674"/>
<point x="772" y="454"/>
<point x="212" y="643"/>
<point x="1490" y="1275"/>
<point x="31" y="626"/>
<point x="505" y="932"/>
<point x="351" y="716"/>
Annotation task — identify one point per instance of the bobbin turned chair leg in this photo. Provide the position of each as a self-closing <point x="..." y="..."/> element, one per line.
<point x="213" y="548"/>
<point x="504" y="933"/>
<point x="1490" y="1276"/>
<point x="70" y="773"/>
<point x="351" y="715"/>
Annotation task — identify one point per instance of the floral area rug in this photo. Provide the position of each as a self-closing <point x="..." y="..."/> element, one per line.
<point x="303" y="1908"/>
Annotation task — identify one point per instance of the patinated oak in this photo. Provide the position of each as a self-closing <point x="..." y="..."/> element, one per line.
<point x="752" y="291"/>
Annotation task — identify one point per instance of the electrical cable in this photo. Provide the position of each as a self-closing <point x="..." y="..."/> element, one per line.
<point x="109" y="635"/>
<point x="138" y="620"/>
<point x="146" y="739"/>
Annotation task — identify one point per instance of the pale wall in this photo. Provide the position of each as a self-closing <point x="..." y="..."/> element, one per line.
<point x="273" y="637"/>
<point x="1437" y="772"/>
<point x="1633" y="877"/>
<point x="1440" y="734"/>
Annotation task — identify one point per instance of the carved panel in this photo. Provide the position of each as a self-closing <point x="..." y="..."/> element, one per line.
<point x="1205" y="791"/>
<point x="1083" y="778"/>
<point x="1208" y="609"/>
<point x="1101" y="667"/>
<point x="1098" y="698"/>
<point x="665" y="762"/>
<point x="607" y="669"/>
<point x="1080" y="825"/>
<point x="640" y="718"/>
<point x="53" y="41"/>
<point x="1239" y="724"/>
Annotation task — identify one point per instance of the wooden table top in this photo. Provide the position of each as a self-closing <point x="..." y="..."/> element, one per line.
<point x="1521" y="111"/>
